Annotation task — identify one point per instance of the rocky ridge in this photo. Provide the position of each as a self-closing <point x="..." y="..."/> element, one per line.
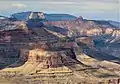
<point x="68" y="51"/>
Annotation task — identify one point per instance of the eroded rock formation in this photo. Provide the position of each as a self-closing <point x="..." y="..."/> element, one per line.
<point x="50" y="59"/>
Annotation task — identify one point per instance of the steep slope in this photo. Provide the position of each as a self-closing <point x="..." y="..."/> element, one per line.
<point x="42" y="64"/>
<point x="58" y="49"/>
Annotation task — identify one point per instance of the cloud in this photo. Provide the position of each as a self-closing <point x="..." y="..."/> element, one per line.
<point x="87" y="8"/>
<point x="19" y="5"/>
<point x="86" y="5"/>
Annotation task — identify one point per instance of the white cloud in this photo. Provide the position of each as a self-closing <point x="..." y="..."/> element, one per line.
<point x="88" y="8"/>
<point x="19" y="5"/>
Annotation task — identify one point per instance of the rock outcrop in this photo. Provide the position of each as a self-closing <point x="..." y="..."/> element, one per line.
<point x="78" y="28"/>
<point x="50" y="59"/>
<point x="36" y="15"/>
<point x="37" y="47"/>
<point x="47" y="58"/>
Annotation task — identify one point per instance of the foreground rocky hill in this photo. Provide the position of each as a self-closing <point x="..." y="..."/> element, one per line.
<point x="38" y="48"/>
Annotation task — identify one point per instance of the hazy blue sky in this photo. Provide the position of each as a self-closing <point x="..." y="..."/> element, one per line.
<point x="90" y="9"/>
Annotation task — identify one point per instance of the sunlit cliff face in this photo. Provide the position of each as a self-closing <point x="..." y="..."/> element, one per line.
<point x="37" y="52"/>
<point x="94" y="31"/>
<point x="46" y="58"/>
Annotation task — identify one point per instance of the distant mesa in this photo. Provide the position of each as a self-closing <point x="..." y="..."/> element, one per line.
<point x="40" y="15"/>
<point x="60" y="17"/>
<point x="28" y="15"/>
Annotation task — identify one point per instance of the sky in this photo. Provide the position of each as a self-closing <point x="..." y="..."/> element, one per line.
<point x="88" y="9"/>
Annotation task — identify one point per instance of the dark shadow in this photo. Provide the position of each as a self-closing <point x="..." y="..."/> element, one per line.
<point x="106" y="75"/>
<point x="35" y="23"/>
<point x="9" y="58"/>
